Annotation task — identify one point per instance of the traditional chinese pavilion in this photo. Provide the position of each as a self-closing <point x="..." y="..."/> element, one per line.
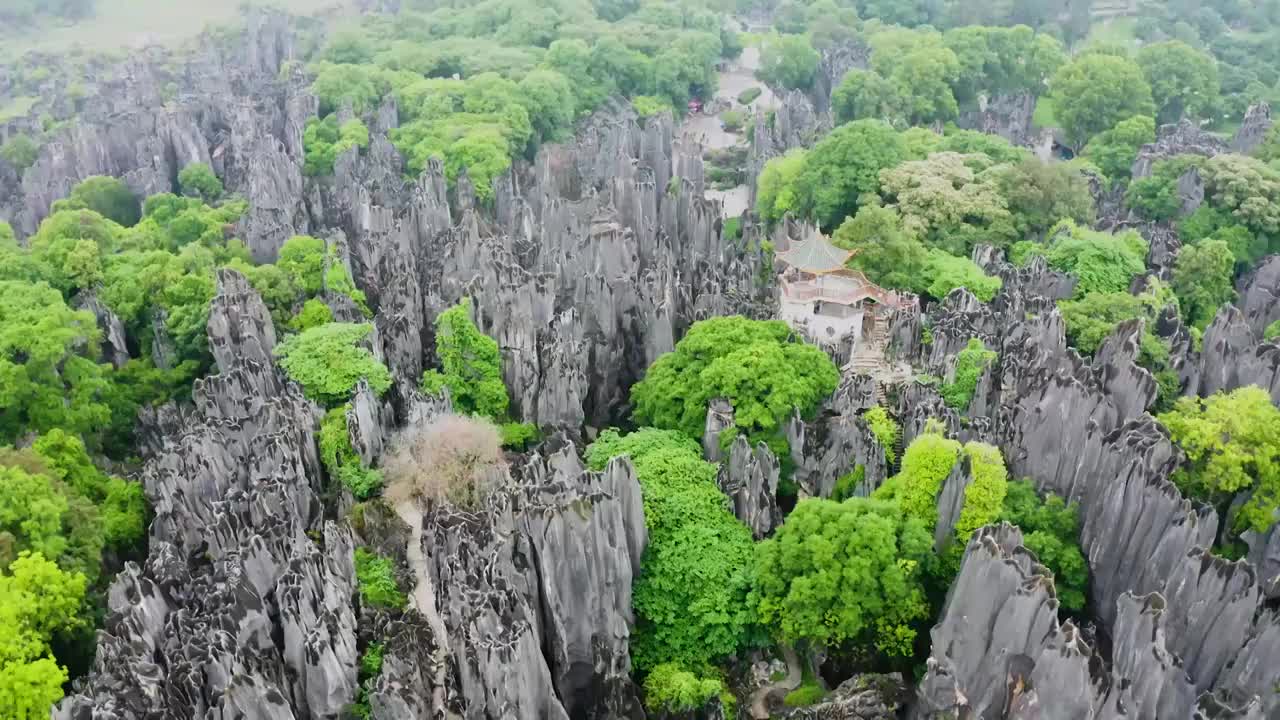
<point x="828" y="299"/>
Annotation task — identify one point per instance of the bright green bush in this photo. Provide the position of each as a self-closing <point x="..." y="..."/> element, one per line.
<point x="341" y="460"/>
<point x="748" y="96"/>
<point x="926" y="464"/>
<point x="670" y="688"/>
<point x="946" y="272"/>
<point x="690" y="597"/>
<point x="758" y="366"/>
<point x="323" y="141"/>
<point x="844" y="574"/>
<point x="1103" y="262"/>
<point x="327" y="362"/>
<point x="377" y="581"/>
<point x="38" y="601"/>
<point x="20" y="152"/>
<point x="471" y="364"/>
<point x="198" y="179"/>
<point x="1272" y="332"/>
<point x="984" y="497"/>
<point x="648" y="106"/>
<point x="314" y="313"/>
<point x="885" y="429"/>
<point x="970" y="364"/>
<point x="1232" y="445"/>
<point x="518" y="436"/>
<point x="733" y="120"/>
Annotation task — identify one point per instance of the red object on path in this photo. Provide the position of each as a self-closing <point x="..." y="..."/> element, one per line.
<point x="695" y="106"/>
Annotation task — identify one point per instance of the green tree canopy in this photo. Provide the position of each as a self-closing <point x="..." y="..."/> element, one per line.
<point x="1232" y="444"/>
<point x="1103" y="262"/>
<point x="1202" y="278"/>
<point x="788" y="61"/>
<point x="887" y="254"/>
<point x="471" y="363"/>
<point x="866" y="94"/>
<point x="1114" y="151"/>
<point x="946" y="272"/>
<point x="1184" y="81"/>
<point x="37" y="600"/>
<point x="47" y="377"/>
<point x="844" y="165"/>
<point x="840" y="573"/>
<point x="690" y="597"/>
<point x="20" y="152"/>
<point x="776" y="188"/>
<point x="106" y="196"/>
<point x="1094" y="92"/>
<point x="1039" y="195"/>
<point x="198" y="180"/>
<point x="971" y="362"/>
<point x="758" y="366"/>
<point x="328" y="361"/>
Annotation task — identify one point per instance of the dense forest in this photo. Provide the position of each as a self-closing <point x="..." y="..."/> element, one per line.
<point x="405" y="361"/>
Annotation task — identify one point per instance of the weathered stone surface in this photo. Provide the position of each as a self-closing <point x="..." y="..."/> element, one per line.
<point x="1183" y="138"/>
<point x="261" y="624"/>
<point x="861" y="697"/>
<point x="1253" y="129"/>
<point x="750" y="479"/>
<point x="1008" y="116"/>
<point x="1260" y="295"/>
<point x="114" y="348"/>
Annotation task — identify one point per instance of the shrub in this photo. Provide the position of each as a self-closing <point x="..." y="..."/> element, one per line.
<point x="671" y="688"/>
<point x="733" y="120"/>
<point x="20" y="152"/>
<point x="844" y="574"/>
<point x="748" y="96"/>
<point x="1272" y="332"/>
<point x="648" y="105"/>
<point x="449" y="458"/>
<point x="518" y="436"/>
<point x="1103" y="262"/>
<point x="197" y="179"/>
<point x="885" y="430"/>
<point x="314" y="313"/>
<point x="970" y="364"/>
<point x="925" y="466"/>
<point x="328" y="362"/>
<point x="471" y="363"/>
<point x="377" y="580"/>
<point x="341" y="460"/>
<point x="758" y="366"/>
<point x="690" y="597"/>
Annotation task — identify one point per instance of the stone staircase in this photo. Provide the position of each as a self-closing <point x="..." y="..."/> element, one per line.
<point x="869" y="359"/>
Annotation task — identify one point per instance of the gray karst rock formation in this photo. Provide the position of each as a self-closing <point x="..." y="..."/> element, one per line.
<point x="586" y="263"/>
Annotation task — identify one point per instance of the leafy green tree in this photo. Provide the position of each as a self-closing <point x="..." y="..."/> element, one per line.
<point x="471" y="363"/>
<point x="758" y="366"/>
<point x="946" y="272"/>
<point x="328" y="361"/>
<point x="670" y="688"/>
<point x="776" y="187"/>
<point x="844" y="165"/>
<point x="549" y="97"/>
<point x="1102" y="262"/>
<point x="47" y="377"/>
<point x="789" y="61"/>
<point x="198" y="179"/>
<point x="1272" y="332"/>
<point x="301" y="258"/>
<point x="1202" y="278"/>
<point x="1232" y="445"/>
<point x="20" y="152"/>
<point x="1184" y="81"/>
<point x="970" y="364"/>
<point x="107" y="196"/>
<point x="1247" y="188"/>
<point x="926" y="464"/>
<point x="324" y="140"/>
<point x="838" y="574"/>
<point x="866" y="94"/>
<point x="69" y="248"/>
<point x="690" y="597"/>
<point x="1050" y="529"/>
<point x="887" y="254"/>
<point x="1094" y="92"/>
<point x="947" y="203"/>
<point x="1040" y="194"/>
<point x="37" y="601"/>
<point x="1155" y="196"/>
<point x="1114" y="151"/>
<point x="985" y="495"/>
